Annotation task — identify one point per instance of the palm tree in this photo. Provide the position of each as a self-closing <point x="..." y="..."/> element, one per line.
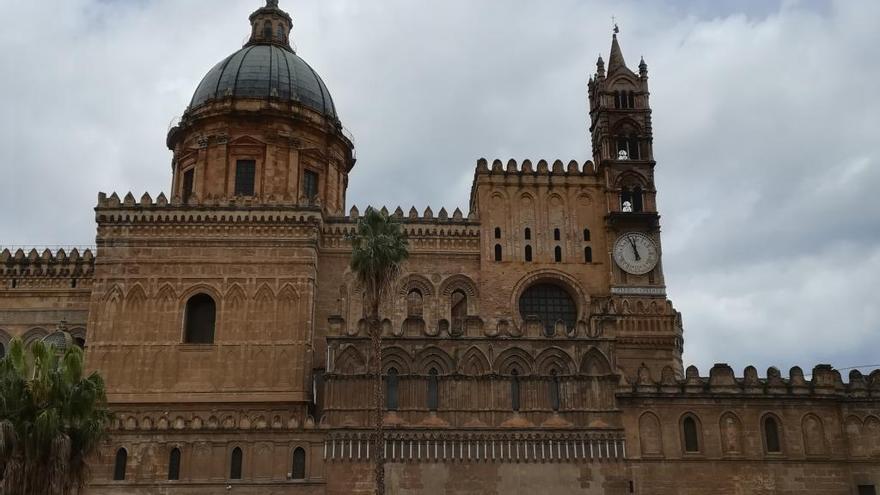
<point x="378" y="248"/>
<point x="52" y="419"/>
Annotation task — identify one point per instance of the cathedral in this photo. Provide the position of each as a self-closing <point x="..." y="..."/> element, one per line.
<point x="528" y="344"/>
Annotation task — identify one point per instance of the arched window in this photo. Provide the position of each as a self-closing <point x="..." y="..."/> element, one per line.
<point x="631" y="200"/>
<point x="280" y="32"/>
<point x="414" y="303"/>
<point x="199" y="322"/>
<point x="433" y="393"/>
<point x="554" y="391"/>
<point x="691" y="435"/>
<point x="549" y="303"/>
<point x="624" y="99"/>
<point x="119" y="464"/>
<point x="298" y="472"/>
<point x="391" y="390"/>
<point x="637" y="199"/>
<point x="588" y="254"/>
<point x="528" y="233"/>
<point x="557" y="254"/>
<point x="498" y="232"/>
<point x="458" y="302"/>
<point x="528" y="253"/>
<point x="174" y="464"/>
<point x="556" y="234"/>
<point x="586" y="235"/>
<point x="628" y="148"/>
<point x="497" y="252"/>
<point x="514" y="390"/>
<point x="267" y="30"/>
<point x="771" y="435"/>
<point x="235" y="464"/>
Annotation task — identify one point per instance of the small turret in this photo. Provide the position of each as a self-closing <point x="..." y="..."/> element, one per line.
<point x="270" y="25"/>
<point x="643" y="68"/>
<point x="600" y="68"/>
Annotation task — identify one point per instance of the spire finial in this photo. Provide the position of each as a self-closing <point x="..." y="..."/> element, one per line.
<point x="614" y="28"/>
<point x="272" y="4"/>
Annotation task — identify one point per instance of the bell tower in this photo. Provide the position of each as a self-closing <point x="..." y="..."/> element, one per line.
<point x="622" y="142"/>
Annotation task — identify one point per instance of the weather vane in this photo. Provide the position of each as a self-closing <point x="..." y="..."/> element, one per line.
<point x="614" y="23"/>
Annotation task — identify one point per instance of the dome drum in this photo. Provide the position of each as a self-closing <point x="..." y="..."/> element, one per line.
<point x="262" y="127"/>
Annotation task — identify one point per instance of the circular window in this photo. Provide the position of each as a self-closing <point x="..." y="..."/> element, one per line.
<point x="549" y="303"/>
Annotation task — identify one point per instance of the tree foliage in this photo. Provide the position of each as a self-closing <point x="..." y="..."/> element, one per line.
<point x="378" y="249"/>
<point x="51" y="419"/>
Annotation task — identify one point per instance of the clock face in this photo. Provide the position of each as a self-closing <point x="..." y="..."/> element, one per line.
<point x="636" y="253"/>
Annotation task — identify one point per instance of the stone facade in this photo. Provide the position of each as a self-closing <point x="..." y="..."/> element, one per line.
<point x="528" y="346"/>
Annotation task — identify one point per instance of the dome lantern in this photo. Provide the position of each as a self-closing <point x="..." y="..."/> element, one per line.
<point x="270" y="25"/>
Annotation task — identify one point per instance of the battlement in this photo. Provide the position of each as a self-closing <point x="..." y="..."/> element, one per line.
<point x="194" y="202"/>
<point x="825" y="381"/>
<point x="543" y="168"/>
<point x="111" y="209"/>
<point x="413" y="215"/>
<point x="426" y="231"/>
<point x="47" y="264"/>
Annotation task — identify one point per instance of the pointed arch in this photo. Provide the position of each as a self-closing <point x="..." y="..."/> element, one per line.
<point x="166" y="294"/>
<point x="552" y="359"/>
<point x="287" y="310"/>
<point x="731" y="430"/>
<point x="197" y="288"/>
<point x="264" y="293"/>
<point x="397" y="358"/>
<point x="514" y="359"/>
<point x="872" y="435"/>
<point x="235" y="304"/>
<point x="594" y="363"/>
<point x="114" y="295"/>
<point x="262" y="313"/>
<point x="691" y="433"/>
<point x="771" y="430"/>
<point x="650" y="435"/>
<point x="474" y="362"/>
<point x="235" y="296"/>
<point x="814" y="435"/>
<point x="119" y="464"/>
<point x="856" y="440"/>
<point x="107" y="324"/>
<point x="134" y="307"/>
<point x="33" y="335"/>
<point x="136" y="299"/>
<point x="350" y="361"/>
<point x="434" y="357"/>
<point x="631" y="178"/>
<point x="627" y="125"/>
<point x="415" y="281"/>
<point x="459" y="282"/>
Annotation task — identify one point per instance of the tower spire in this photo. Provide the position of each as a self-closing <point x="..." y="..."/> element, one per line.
<point x="615" y="59"/>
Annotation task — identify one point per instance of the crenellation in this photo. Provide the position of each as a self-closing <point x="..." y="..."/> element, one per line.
<point x="512" y="168"/>
<point x="47" y="264"/>
<point x="825" y="381"/>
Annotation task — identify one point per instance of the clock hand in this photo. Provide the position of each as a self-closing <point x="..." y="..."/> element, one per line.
<point x="635" y="249"/>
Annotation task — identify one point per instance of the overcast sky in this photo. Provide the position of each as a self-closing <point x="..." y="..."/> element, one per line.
<point x="766" y="131"/>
